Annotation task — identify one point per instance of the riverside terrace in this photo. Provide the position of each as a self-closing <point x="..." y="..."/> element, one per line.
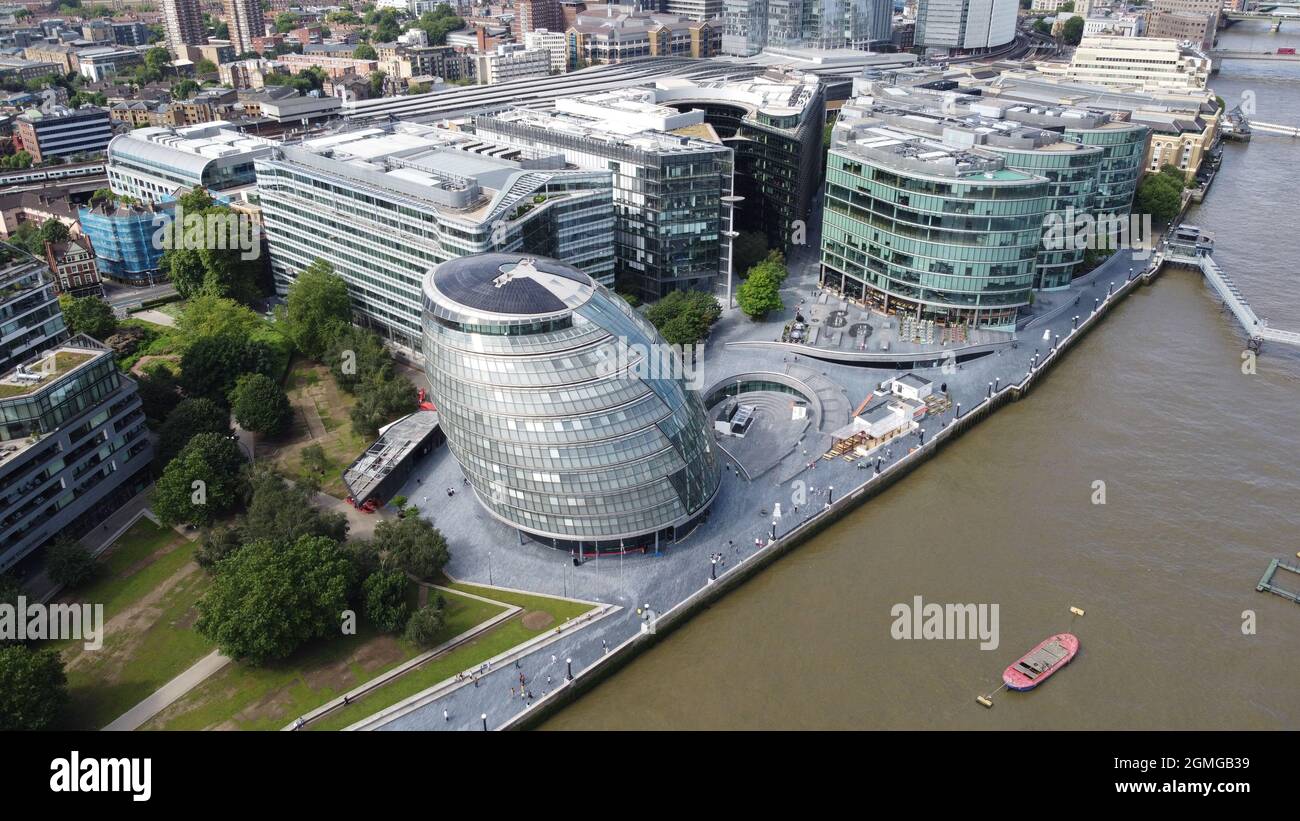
<point x="485" y="551"/>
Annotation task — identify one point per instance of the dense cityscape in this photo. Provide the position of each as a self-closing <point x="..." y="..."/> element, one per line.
<point x="414" y="365"/>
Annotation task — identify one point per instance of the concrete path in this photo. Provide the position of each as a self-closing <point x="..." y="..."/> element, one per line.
<point x="360" y="525"/>
<point x="170" y="692"/>
<point x="156" y="317"/>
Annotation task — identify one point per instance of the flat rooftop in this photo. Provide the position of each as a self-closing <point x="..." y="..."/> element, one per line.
<point x="910" y="153"/>
<point x="396" y="443"/>
<point x="444" y="167"/>
<point x="48" y="367"/>
<point x="209" y="140"/>
<point x="655" y="128"/>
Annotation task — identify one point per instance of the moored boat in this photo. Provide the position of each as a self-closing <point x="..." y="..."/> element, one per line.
<point x="1034" y="667"/>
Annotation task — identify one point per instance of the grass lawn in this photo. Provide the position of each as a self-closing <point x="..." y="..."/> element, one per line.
<point x="244" y="697"/>
<point x="160" y="340"/>
<point x="541" y="614"/>
<point x="321" y="417"/>
<point x="172" y="309"/>
<point x="148" y="586"/>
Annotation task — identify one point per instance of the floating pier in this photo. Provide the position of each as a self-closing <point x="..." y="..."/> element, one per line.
<point x="1189" y="246"/>
<point x="1266" y="581"/>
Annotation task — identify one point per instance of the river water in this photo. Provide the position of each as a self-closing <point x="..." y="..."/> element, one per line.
<point x="1201" y="465"/>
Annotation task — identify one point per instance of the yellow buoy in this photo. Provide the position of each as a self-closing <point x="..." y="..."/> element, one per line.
<point x="1076" y="611"/>
<point x="987" y="702"/>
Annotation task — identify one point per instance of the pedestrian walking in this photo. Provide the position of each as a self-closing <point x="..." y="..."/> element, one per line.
<point x="445" y="715"/>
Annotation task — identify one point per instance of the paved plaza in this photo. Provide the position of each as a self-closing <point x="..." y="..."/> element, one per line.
<point x="485" y="551"/>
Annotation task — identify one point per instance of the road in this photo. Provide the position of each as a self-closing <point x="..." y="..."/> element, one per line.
<point x="120" y="297"/>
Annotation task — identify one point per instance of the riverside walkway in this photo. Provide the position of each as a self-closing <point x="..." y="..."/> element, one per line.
<point x="676" y="582"/>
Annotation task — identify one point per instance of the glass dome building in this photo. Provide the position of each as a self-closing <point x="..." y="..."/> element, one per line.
<point x="546" y="391"/>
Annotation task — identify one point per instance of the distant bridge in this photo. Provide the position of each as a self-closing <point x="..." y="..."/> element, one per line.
<point x="1230" y="54"/>
<point x="1276" y="16"/>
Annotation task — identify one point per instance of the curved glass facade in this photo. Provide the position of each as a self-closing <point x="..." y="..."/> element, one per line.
<point x="954" y="249"/>
<point x="1072" y="172"/>
<point x="1123" y="147"/>
<point x="546" y="393"/>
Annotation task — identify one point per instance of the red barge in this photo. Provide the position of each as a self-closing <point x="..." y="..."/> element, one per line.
<point x="1034" y="667"/>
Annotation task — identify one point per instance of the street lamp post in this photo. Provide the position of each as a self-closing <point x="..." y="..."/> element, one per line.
<point x="830" y="495"/>
<point x="730" y="200"/>
<point x="484" y="717"/>
<point x="569" y="664"/>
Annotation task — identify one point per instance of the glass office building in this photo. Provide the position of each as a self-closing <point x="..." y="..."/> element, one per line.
<point x="915" y="226"/>
<point x="668" y="183"/>
<point x="383" y="205"/>
<point x="773" y="124"/>
<point x="155" y="164"/>
<point x="30" y="319"/>
<point x="546" y="392"/>
<point x="73" y="444"/>
<point x="1123" y="147"/>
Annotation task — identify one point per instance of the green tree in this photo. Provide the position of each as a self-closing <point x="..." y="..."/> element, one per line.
<point x="286" y="22"/>
<point x="201" y="483"/>
<point x="284" y="512"/>
<point x="437" y="24"/>
<point x="1072" y="31"/>
<point x="384" y="595"/>
<point x="424" y="628"/>
<point x="185" y="89"/>
<point x="69" y="562"/>
<point x="1160" y="194"/>
<point x="212" y="364"/>
<point x="189" y="418"/>
<point x="684" y="317"/>
<point x="54" y="231"/>
<point x="418" y="547"/>
<point x="218" y="543"/>
<point x="268" y="599"/>
<point x="317" y="309"/>
<point x="159" y="392"/>
<point x="380" y="402"/>
<point x="195" y="263"/>
<point x="33" y="688"/>
<point x="259" y="404"/>
<point x="364" y="51"/>
<point x="357" y="355"/>
<point x="760" y="293"/>
<point x="88" y="315"/>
